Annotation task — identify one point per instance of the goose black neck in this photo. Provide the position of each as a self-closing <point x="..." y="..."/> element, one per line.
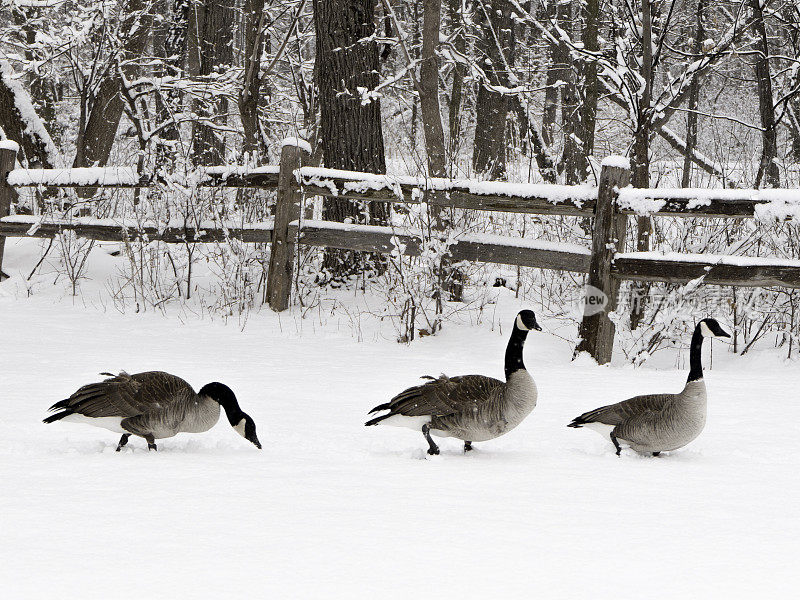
<point x="222" y="394"/>
<point x="514" y="351"/>
<point x="696" y="355"/>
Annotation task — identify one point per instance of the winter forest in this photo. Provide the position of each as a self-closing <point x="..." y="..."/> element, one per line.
<point x="696" y="94"/>
<point x="318" y="202"/>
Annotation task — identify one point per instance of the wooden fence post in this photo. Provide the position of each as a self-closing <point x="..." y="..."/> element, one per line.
<point x="8" y="158"/>
<point x="287" y="209"/>
<point x="596" y="330"/>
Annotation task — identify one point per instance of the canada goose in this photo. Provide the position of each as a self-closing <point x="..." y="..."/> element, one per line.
<point x="473" y="408"/>
<point x="659" y="422"/>
<point x="153" y="405"/>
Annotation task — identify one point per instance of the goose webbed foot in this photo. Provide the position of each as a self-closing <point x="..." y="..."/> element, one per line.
<point x="616" y="444"/>
<point x="123" y="441"/>
<point x="426" y="431"/>
<point x="467" y="447"/>
<point x="151" y="442"/>
<point x="657" y="453"/>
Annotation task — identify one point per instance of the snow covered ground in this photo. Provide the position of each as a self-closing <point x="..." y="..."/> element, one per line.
<point x="330" y="508"/>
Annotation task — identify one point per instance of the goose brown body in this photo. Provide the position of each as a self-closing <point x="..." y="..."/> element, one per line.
<point x="468" y="407"/>
<point x="473" y="408"/>
<point x="659" y="422"/>
<point x="153" y="405"/>
<point x="654" y="423"/>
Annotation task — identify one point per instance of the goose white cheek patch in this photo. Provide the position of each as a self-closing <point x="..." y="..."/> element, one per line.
<point x="239" y="427"/>
<point x="520" y="324"/>
<point x="706" y="330"/>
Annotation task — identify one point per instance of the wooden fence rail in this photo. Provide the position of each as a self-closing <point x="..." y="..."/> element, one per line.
<point x="27" y="226"/>
<point x="605" y="262"/>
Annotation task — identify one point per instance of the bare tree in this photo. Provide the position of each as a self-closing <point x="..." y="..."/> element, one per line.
<point x="250" y="95"/>
<point x="589" y="87"/>
<point x="169" y="42"/>
<point x="210" y="51"/>
<point x="694" y="99"/>
<point x="42" y="86"/>
<point x="20" y="122"/>
<point x="556" y="72"/>
<point x="572" y="155"/>
<point x="102" y="105"/>
<point x="455" y="12"/>
<point x="496" y="44"/>
<point x="351" y="128"/>
<point x="428" y="88"/>
<point x="640" y="154"/>
<point x="768" y="168"/>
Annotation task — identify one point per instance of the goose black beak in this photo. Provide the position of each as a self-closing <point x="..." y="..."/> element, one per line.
<point x="719" y="331"/>
<point x="247" y="429"/>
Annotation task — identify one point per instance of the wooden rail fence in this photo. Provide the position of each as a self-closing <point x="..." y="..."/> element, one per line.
<point x="605" y="263"/>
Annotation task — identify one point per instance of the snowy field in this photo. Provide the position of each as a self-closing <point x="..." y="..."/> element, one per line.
<point x="332" y="509"/>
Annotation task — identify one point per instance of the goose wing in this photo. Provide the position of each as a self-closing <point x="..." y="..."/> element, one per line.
<point x="640" y="408"/>
<point x="126" y="395"/>
<point x="439" y="397"/>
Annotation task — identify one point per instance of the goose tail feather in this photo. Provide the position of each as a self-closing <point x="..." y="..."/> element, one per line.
<point x="57" y="417"/>
<point x="60" y="405"/>
<point x="377" y="420"/>
<point x="380" y="407"/>
<point x="608" y="415"/>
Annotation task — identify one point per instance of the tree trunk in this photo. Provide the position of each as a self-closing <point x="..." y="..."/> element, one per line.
<point x="97" y="138"/>
<point x="555" y="73"/>
<point x="42" y="88"/>
<point x="495" y="45"/>
<point x="450" y="279"/>
<point x="250" y="95"/>
<point x="793" y="124"/>
<point x="215" y="21"/>
<point x="641" y="144"/>
<point x="489" y="147"/>
<point x="20" y="123"/>
<point x="641" y="157"/>
<point x="351" y="130"/>
<point x="429" y="89"/>
<point x="544" y="161"/>
<point x="768" y="169"/>
<point x="694" y="99"/>
<point x="457" y="89"/>
<point x="590" y="89"/>
<point x="416" y="37"/>
<point x="169" y="41"/>
<point x="570" y="101"/>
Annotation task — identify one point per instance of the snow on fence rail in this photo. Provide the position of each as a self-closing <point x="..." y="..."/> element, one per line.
<point x="531" y="198"/>
<point x="470" y="247"/>
<point x="128" y="177"/>
<point x="765" y="205"/>
<point x="605" y="263"/>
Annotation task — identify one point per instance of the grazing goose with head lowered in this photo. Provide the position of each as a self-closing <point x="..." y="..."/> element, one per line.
<point x="659" y="422"/>
<point x="153" y="405"/>
<point x="473" y="408"/>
